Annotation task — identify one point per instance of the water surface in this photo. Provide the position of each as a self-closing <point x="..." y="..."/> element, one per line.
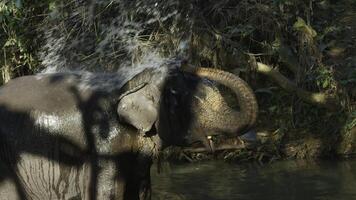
<point x="284" y="180"/>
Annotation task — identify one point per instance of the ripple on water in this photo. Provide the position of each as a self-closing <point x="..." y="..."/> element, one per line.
<point x="285" y="180"/>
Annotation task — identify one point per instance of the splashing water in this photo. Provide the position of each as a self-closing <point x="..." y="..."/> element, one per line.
<point x="108" y="36"/>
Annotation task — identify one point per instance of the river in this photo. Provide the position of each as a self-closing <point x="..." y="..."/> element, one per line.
<point x="282" y="180"/>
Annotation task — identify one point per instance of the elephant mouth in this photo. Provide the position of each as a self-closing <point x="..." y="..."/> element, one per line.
<point x="215" y="143"/>
<point x="214" y="146"/>
<point x="212" y="142"/>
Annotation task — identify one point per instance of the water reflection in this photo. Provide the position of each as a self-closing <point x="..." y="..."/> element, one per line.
<point x="286" y="180"/>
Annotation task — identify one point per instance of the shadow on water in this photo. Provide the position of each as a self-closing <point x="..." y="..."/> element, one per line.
<point x="98" y="112"/>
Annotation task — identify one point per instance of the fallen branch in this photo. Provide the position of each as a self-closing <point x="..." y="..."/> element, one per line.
<point x="315" y="98"/>
<point x="220" y="148"/>
<point x="289" y="59"/>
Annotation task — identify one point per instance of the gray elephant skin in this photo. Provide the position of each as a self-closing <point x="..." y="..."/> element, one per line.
<point x="94" y="135"/>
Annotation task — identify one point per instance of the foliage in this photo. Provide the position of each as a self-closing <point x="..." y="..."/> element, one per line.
<point x="19" y="36"/>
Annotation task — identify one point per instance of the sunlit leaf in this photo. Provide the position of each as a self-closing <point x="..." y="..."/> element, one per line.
<point x="301" y="26"/>
<point x="325" y="84"/>
<point x="52" y="6"/>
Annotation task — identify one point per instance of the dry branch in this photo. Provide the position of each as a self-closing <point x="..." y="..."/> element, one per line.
<point x="289" y="58"/>
<point x="315" y="98"/>
<point x="220" y="148"/>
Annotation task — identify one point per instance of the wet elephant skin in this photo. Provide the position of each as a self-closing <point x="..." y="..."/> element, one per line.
<point x="59" y="140"/>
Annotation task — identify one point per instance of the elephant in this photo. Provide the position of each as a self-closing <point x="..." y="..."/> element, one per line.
<point x="73" y="135"/>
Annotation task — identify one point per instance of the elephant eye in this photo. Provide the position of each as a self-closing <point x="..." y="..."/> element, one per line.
<point x="173" y="91"/>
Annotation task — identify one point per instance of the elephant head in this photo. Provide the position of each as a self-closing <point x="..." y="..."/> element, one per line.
<point x="183" y="105"/>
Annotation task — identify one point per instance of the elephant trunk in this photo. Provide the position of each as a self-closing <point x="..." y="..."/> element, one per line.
<point x="227" y="119"/>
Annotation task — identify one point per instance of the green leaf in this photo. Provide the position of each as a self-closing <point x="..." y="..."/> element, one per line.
<point x="325" y="84"/>
<point x="9" y="43"/>
<point x="300" y="23"/>
<point x="52" y="6"/>
<point x="272" y="108"/>
<point x="301" y="26"/>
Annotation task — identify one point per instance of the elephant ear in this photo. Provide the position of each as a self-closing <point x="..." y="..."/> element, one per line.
<point x="140" y="108"/>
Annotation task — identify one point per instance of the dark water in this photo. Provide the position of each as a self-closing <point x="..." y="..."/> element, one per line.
<point x="285" y="180"/>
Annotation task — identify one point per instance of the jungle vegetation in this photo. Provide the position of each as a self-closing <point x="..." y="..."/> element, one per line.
<point x="299" y="56"/>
